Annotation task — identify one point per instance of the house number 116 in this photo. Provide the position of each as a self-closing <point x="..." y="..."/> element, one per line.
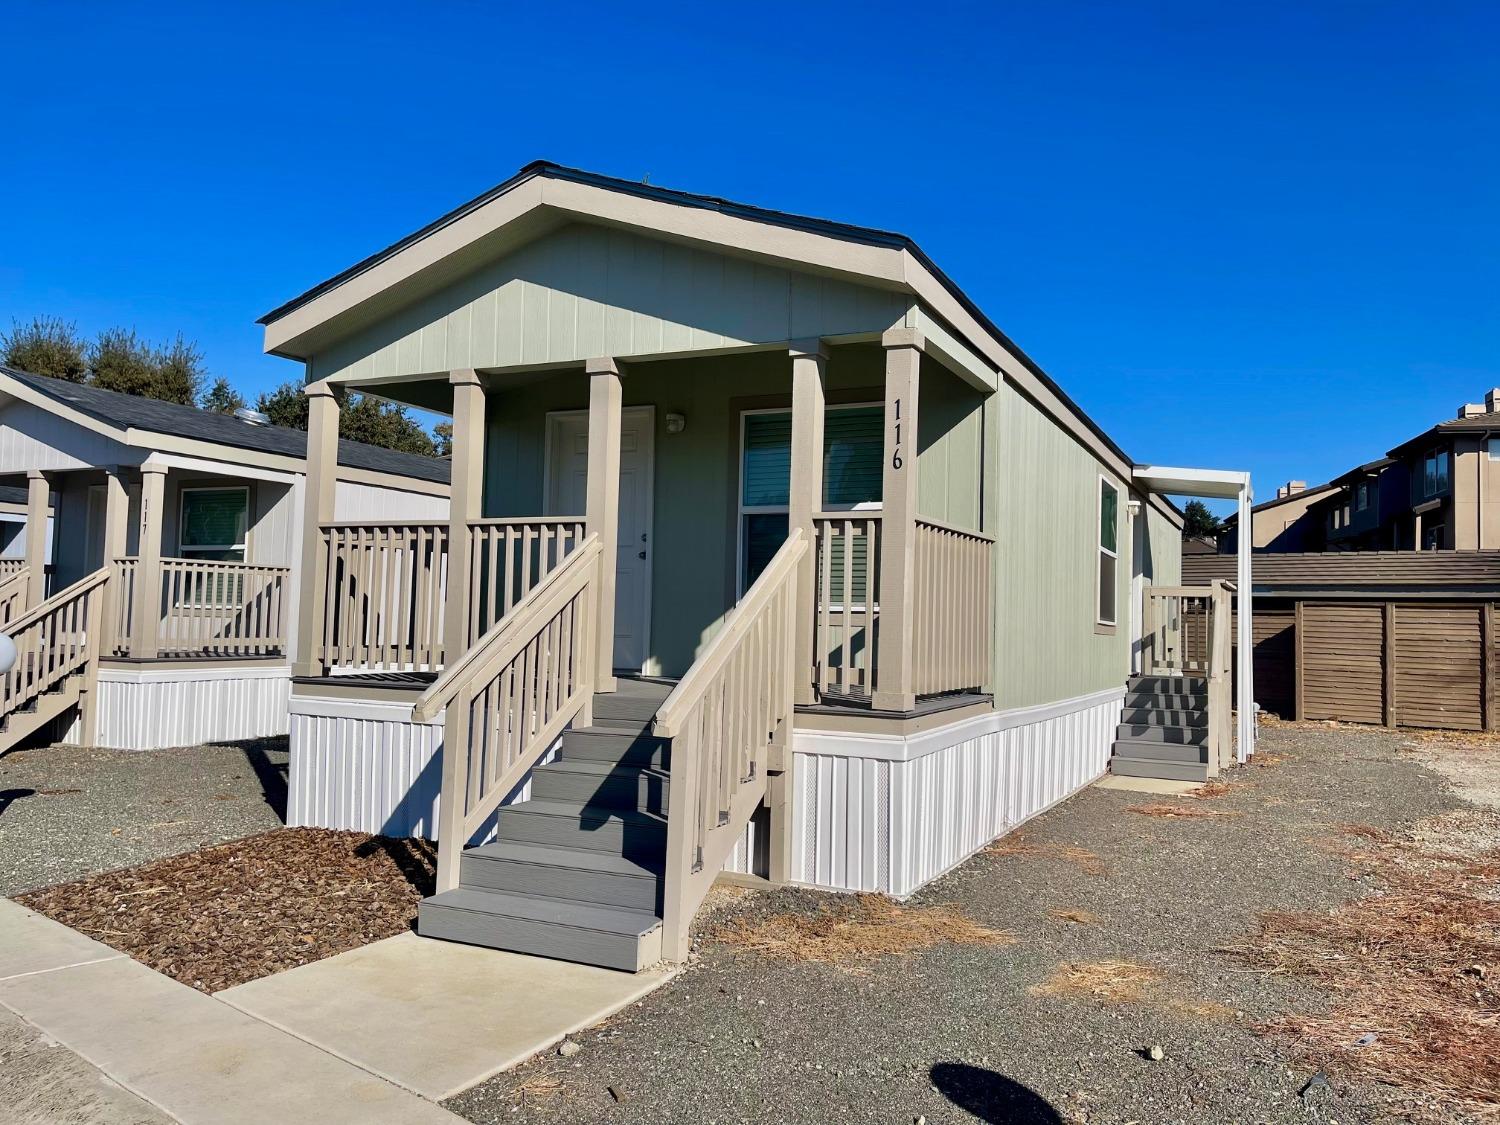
<point x="896" y="452"/>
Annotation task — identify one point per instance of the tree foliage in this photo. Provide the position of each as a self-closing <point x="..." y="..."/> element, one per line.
<point x="1199" y="521"/>
<point x="222" y="398"/>
<point x="47" y="346"/>
<point x="361" y="418"/>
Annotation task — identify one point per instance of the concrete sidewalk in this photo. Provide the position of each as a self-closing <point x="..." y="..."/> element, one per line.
<point x="187" y="1055"/>
<point x="435" y="1016"/>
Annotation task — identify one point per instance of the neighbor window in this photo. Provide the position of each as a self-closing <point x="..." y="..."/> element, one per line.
<point x="1362" y="496"/>
<point x="1109" y="550"/>
<point x="1492" y="447"/>
<point x="1435" y="472"/>
<point x="212" y="524"/>
<point x="853" y="441"/>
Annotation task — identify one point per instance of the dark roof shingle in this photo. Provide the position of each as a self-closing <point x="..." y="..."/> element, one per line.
<point x="222" y="429"/>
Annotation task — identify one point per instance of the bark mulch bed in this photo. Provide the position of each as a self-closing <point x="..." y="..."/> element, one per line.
<point x="234" y="912"/>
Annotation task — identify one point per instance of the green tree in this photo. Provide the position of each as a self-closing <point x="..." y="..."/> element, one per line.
<point x="442" y="439"/>
<point x="179" y="374"/>
<point x="119" y="360"/>
<point x="222" y="398"/>
<point x="47" y="346"/>
<point x="361" y="418"/>
<point x="1199" y="521"/>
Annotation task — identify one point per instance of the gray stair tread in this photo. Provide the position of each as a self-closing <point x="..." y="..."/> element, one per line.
<point x="1166" y="771"/>
<point x="555" y="912"/>
<point x="554" y="856"/>
<point x="1141" y="750"/>
<point x="595" y="767"/>
<point x="576" y="809"/>
<point x="1156" y="732"/>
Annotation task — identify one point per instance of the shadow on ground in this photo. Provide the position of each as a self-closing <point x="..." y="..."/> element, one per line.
<point x="992" y="1097"/>
<point x="272" y="774"/>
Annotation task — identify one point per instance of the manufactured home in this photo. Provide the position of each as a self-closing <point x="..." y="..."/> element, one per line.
<point x="767" y="552"/>
<point x="158" y="611"/>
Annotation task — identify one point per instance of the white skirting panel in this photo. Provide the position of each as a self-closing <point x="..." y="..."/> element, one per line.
<point x="152" y="709"/>
<point x="890" y="813"/>
<point x="365" y="765"/>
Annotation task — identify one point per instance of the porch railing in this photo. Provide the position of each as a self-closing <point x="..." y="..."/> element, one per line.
<point x="387" y="583"/>
<point x="846" y="604"/>
<point x="222" y="608"/>
<point x="508" y="557"/>
<point x="730" y="721"/>
<point x="507" y="699"/>
<point x="205" y="608"/>
<point x="9" y="568"/>
<point x="1188" y="631"/>
<point x="951" y="626"/>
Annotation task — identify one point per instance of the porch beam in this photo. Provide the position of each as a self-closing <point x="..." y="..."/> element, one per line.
<point x="465" y="505"/>
<point x="38" y="492"/>
<point x="805" y="499"/>
<point x="146" y="615"/>
<point x="320" y="491"/>
<point x="894" y="674"/>
<point x="602" y="508"/>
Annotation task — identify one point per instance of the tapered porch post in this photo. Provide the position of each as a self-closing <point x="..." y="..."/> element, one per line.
<point x="38" y="492"/>
<point x="320" y="491"/>
<point x="146" y="615"/>
<point x="465" y="504"/>
<point x="809" y="364"/>
<point x="894" y="675"/>
<point x="116" y="527"/>
<point x="603" y="505"/>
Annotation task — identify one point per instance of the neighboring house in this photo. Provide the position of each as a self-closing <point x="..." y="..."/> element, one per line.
<point x="1287" y="523"/>
<point x="1393" y="638"/>
<point x="1438" y="491"/>
<point x="755" y="510"/>
<point x="161" y="613"/>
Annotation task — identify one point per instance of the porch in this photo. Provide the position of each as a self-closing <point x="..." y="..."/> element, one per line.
<point x="750" y="531"/>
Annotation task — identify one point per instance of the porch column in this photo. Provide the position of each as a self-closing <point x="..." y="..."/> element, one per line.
<point x="116" y="527"/>
<point x="894" y="678"/>
<point x="809" y="364"/>
<point x="319" y="491"/>
<point x="146" y="614"/>
<point x="38" y="491"/>
<point x="465" y="504"/>
<point x="1244" y="627"/>
<point x="602" y="515"/>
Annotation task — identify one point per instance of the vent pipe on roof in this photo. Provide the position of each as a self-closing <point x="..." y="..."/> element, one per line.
<point x="252" y="417"/>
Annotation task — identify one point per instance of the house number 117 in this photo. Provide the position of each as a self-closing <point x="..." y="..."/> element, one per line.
<point x="896" y="461"/>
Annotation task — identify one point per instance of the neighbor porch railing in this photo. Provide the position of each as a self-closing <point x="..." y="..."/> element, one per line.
<point x="1188" y="631"/>
<point x="508" y="698"/>
<point x="13" y="584"/>
<point x="53" y="641"/>
<point x="951" y="629"/>
<point x="203" y="608"/>
<point x="730" y="721"/>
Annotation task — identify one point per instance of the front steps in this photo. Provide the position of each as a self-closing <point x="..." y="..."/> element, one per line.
<point x="575" y="871"/>
<point x="32" y="716"/>
<point x="1163" y="732"/>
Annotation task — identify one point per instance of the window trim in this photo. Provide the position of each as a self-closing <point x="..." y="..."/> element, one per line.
<point x="1442" y="474"/>
<point x="742" y="509"/>
<point x="182" y="549"/>
<point x="1100" y="623"/>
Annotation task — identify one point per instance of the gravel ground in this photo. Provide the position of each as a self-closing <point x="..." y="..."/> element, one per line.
<point x="68" y="811"/>
<point x="953" y="1034"/>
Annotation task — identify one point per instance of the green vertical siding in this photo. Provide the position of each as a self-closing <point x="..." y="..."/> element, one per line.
<point x="1047" y="646"/>
<point x="951" y="425"/>
<point x="1163" y="549"/>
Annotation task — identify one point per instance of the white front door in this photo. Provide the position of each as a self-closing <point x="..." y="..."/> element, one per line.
<point x="567" y="485"/>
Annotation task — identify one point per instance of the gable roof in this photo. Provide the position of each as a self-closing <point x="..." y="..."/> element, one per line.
<point x="155" y="416"/>
<point x="927" y="283"/>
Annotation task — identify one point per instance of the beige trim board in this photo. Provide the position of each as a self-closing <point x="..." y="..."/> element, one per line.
<point x="332" y="699"/>
<point x="896" y="726"/>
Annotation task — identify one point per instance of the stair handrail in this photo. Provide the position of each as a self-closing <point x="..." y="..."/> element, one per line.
<point x="730" y="721"/>
<point x="13" y="594"/>
<point x="53" y="640"/>
<point x="527" y="678"/>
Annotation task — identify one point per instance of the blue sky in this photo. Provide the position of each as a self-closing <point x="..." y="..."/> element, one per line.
<point x="1239" y="235"/>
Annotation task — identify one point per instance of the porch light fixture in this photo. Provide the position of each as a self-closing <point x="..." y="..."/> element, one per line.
<point x="676" y="423"/>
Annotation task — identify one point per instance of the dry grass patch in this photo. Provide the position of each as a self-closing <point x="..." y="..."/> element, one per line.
<point x="1167" y="810"/>
<point x="1022" y="848"/>
<point x="1114" y="982"/>
<point x="1266" y="760"/>
<point x="1209" y="790"/>
<point x="1417" y="967"/>
<point x="540" y="1087"/>
<point x="854" y="930"/>
<point x="1077" y="917"/>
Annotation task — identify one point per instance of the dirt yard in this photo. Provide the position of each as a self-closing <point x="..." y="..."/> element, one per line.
<point x="1314" y="941"/>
